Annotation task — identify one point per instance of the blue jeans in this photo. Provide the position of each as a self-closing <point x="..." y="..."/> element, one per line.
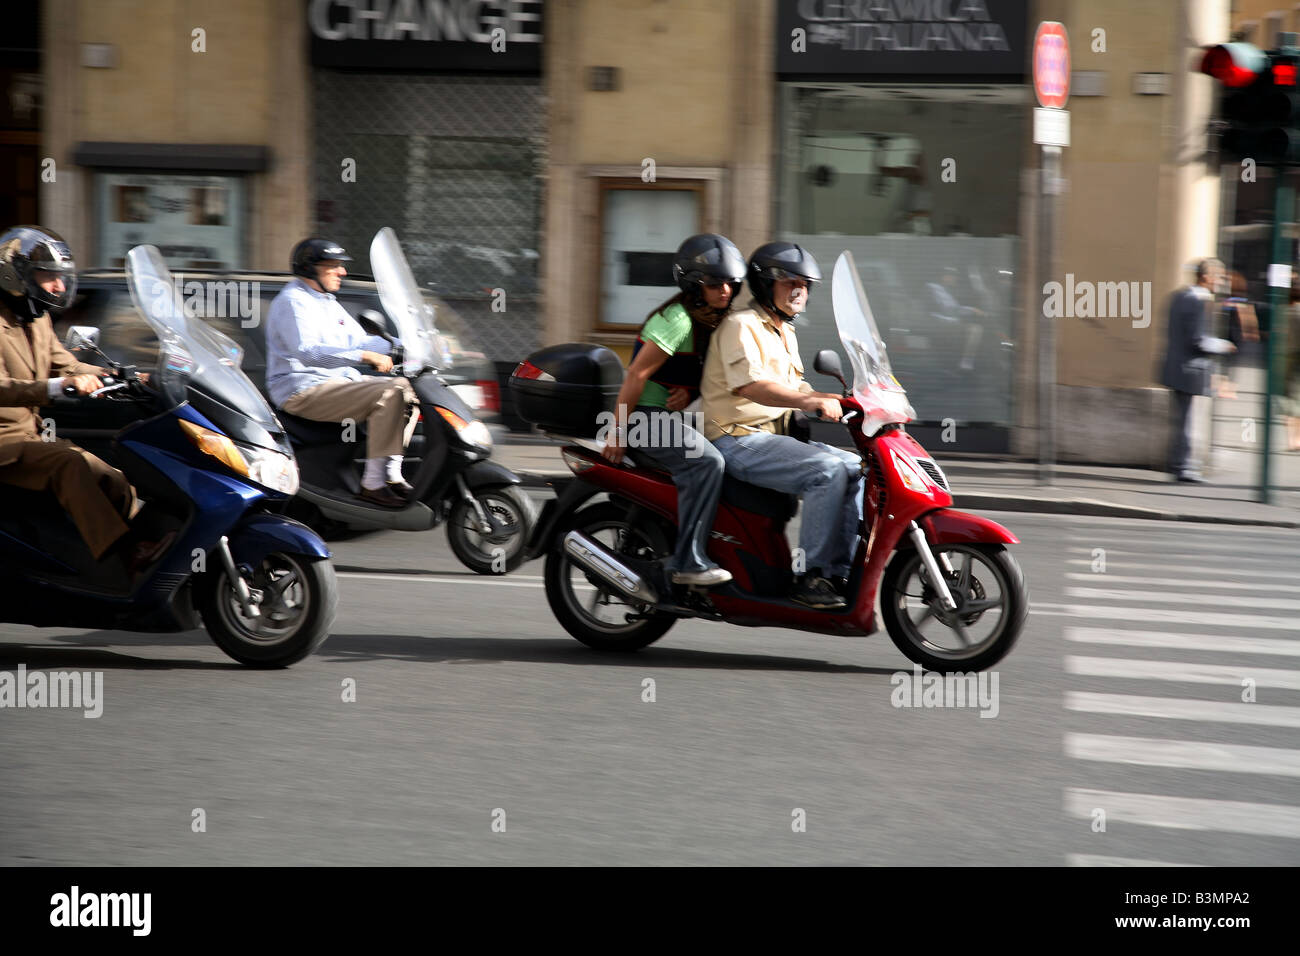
<point x="697" y="469"/>
<point x="828" y="479"/>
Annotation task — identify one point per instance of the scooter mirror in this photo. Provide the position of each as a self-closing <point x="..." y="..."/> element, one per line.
<point x="81" y="337"/>
<point x="827" y="362"/>
<point x="373" y="322"/>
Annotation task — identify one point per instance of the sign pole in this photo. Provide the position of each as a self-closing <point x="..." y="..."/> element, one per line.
<point x="1049" y="167"/>
<point x="1051" y="132"/>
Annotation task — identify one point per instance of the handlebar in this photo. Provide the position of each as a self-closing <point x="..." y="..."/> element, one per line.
<point x="123" y="378"/>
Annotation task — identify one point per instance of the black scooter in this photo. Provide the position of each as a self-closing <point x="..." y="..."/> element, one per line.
<point x="488" y="516"/>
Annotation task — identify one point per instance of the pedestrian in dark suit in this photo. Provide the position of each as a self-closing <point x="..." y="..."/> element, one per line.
<point x="1188" y="364"/>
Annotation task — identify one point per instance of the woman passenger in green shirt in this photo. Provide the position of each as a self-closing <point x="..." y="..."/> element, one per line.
<point x="663" y="378"/>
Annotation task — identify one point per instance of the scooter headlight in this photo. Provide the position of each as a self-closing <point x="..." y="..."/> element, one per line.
<point x="472" y="433"/>
<point x="274" y="469"/>
<point x="910" y="473"/>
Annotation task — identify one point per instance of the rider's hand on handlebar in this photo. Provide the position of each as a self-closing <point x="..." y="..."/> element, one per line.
<point x="823" y="406"/>
<point x="380" y="362"/>
<point x="83" y="384"/>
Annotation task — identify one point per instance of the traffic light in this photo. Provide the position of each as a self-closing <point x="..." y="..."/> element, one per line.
<point x="1261" y="102"/>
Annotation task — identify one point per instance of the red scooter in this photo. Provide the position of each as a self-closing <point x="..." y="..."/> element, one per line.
<point x="951" y="595"/>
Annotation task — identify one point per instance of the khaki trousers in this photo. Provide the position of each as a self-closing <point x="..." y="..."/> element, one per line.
<point x="379" y="401"/>
<point x="97" y="498"/>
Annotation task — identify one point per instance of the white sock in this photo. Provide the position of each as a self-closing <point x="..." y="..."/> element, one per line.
<point x="373" y="479"/>
<point x="395" y="468"/>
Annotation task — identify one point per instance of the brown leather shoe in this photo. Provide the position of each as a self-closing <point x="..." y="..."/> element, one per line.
<point x="146" y="553"/>
<point x="401" y="488"/>
<point x="382" y="497"/>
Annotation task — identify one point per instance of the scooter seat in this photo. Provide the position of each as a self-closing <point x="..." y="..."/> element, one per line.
<point x="310" y="432"/>
<point x="760" y="500"/>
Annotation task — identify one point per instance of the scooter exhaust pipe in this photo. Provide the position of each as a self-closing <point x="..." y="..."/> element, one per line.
<point x="594" y="557"/>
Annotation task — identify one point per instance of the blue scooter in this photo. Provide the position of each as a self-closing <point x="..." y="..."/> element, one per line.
<point x="214" y="468"/>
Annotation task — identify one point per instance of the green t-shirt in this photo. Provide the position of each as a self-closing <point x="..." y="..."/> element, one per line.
<point x="669" y="330"/>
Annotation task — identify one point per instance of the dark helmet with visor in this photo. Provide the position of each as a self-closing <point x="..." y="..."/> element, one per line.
<point x="30" y="256"/>
<point x="310" y="253"/>
<point x="707" y="260"/>
<point x="779" y="260"/>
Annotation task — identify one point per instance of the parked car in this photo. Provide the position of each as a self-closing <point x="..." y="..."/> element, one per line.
<point x="104" y="302"/>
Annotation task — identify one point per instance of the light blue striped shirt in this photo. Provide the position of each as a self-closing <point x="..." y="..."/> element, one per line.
<point x="310" y="339"/>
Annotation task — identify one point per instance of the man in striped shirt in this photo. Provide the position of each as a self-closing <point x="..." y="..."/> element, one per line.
<point x="314" y="348"/>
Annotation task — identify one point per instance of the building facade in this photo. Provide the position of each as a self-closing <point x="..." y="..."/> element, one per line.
<point x="541" y="161"/>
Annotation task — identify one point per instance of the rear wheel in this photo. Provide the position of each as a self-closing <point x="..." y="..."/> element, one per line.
<point x="589" y="609"/>
<point x="992" y="603"/>
<point x="296" y="601"/>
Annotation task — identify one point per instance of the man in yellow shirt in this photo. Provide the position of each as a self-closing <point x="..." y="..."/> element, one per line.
<point x="753" y="380"/>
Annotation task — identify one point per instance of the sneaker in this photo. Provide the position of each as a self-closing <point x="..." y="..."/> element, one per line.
<point x="816" y="592"/>
<point x="708" y="578"/>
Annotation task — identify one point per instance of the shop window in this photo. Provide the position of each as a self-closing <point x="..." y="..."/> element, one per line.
<point x="195" y="221"/>
<point x="642" y="224"/>
<point x="921" y="184"/>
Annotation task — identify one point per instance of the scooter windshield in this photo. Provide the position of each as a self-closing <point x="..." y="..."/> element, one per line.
<point x="402" y="300"/>
<point x="883" y="399"/>
<point x="190" y="351"/>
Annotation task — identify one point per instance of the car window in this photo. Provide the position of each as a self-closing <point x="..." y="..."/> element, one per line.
<point x="123" y="335"/>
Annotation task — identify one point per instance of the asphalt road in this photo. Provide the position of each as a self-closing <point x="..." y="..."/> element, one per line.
<point x="1121" y="734"/>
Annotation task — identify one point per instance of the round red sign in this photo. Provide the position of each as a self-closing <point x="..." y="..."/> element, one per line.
<point x="1051" y="64"/>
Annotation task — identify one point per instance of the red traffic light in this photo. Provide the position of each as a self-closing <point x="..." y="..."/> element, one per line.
<point x="1234" y="64"/>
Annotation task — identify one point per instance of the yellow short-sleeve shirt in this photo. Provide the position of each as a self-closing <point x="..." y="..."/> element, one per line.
<point x="748" y="346"/>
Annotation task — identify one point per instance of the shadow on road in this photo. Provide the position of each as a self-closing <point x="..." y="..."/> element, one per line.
<point x="489" y="650"/>
<point x="87" y="657"/>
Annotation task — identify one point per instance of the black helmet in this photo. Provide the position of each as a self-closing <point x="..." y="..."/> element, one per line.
<point x="707" y="259"/>
<point x="24" y="251"/>
<point x="310" y="253"/>
<point x="779" y="260"/>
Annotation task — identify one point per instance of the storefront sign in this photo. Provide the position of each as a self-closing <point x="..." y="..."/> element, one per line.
<point x="915" y="37"/>
<point x="460" y="35"/>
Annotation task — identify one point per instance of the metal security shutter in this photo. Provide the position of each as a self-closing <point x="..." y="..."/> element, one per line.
<point x="454" y="165"/>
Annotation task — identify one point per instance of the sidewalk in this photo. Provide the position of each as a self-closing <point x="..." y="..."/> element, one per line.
<point x="980" y="484"/>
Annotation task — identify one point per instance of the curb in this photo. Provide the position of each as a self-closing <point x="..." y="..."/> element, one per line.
<point x="1088" y="507"/>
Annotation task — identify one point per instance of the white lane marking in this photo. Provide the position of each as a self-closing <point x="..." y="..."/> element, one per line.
<point x="1198" y="583"/>
<point x="1163" y="565"/>
<point x="1171" y="616"/>
<point x="1168" y="597"/>
<point x="1183" y="754"/>
<point x="1281" y="647"/>
<point x="1180" y="671"/>
<point x="435" y="579"/>
<point x="1177" y="708"/>
<point x="1093" y="859"/>
<point x="1186" y="813"/>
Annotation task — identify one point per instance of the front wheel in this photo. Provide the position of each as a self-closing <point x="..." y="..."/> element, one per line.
<point x="500" y="550"/>
<point x="296" y="601"/>
<point x="992" y="604"/>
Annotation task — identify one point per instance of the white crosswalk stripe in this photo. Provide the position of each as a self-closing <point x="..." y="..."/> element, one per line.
<point x="1273" y="646"/>
<point x="1239" y="603"/>
<point x="1200" y="584"/>
<point x="1178" y="708"/>
<point x="1176" y="597"/>
<point x="1185" y="813"/>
